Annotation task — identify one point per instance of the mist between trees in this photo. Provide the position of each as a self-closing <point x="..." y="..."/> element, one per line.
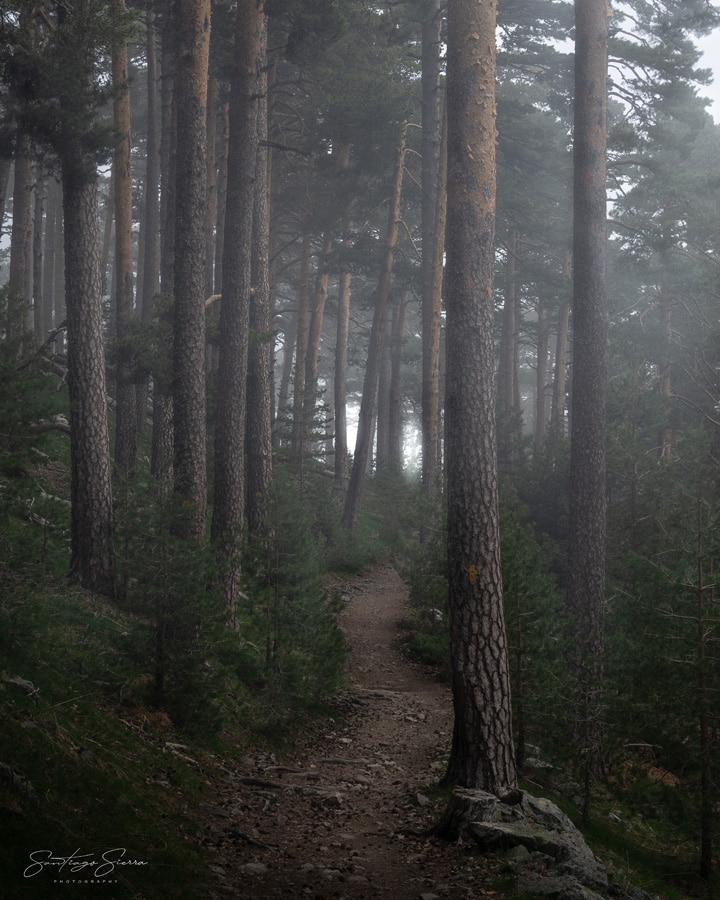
<point x="227" y="224"/>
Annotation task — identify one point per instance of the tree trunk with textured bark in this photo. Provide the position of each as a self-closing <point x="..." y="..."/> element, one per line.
<point x="150" y="223"/>
<point x="91" y="559"/>
<point x="125" y="393"/>
<point x="586" y="552"/>
<point x="230" y="433"/>
<point x="557" y="418"/>
<point x="541" y="369"/>
<point x="53" y="238"/>
<point x="262" y="338"/>
<point x="482" y="754"/>
<point x="191" y="79"/>
<point x="42" y="321"/>
<point x="162" y="433"/>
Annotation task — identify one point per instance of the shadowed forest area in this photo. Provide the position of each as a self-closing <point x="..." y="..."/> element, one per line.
<point x="359" y="449"/>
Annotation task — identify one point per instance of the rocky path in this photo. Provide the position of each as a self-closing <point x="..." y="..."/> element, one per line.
<point x="345" y="818"/>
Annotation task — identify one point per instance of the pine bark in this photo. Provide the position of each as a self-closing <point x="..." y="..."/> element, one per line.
<point x="262" y="339"/>
<point x="125" y="393"/>
<point x="586" y="563"/>
<point x="191" y="78"/>
<point x="51" y="244"/>
<point x="42" y="322"/>
<point x="162" y="433"/>
<point x="229" y="496"/>
<point x="541" y="370"/>
<point x="557" y="418"/>
<point x="482" y="753"/>
<point x="150" y="223"/>
<point x="91" y="557"/>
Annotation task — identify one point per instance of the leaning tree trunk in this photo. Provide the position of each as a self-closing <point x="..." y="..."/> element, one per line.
<point x="586" y="552"/>
<point x="482" y="753"/>
<point x="433" y="221"/>
<point x="189" y="464"/>
<point x="372" y="366"/>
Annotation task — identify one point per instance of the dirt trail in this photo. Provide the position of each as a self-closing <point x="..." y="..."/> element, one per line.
<point x="345" y="818"/>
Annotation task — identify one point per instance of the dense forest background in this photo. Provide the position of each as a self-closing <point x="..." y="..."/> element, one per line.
<point x="223" y="355"/>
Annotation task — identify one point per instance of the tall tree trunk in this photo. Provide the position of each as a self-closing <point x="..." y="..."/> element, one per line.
<point x="340" y="382"/>
<point x="541" y="370"/>
<point x="557" y="419"/>
<point x="372" y="367"/>
<point x="301" y="337"/>
<point x="507" y="365"/>
<point x="91" y="523"/>
<point x="20" y="239"/>
<point x="229" y="496"/>
<point x="5" y="166"/>
<point x="189" y="463"/>
<point x="211" y="126"/>
<point x="482" y="754"/>
<point x="282" y="415"/>
<point x="42" y="322"/>
<point x="108" y="224"/>
<point x="162" y="435"/>
<point x="433" y="222"/>
<point x="395" y="423"/>
<point x="586" y="560"/>
<point x="53" y="222"/>
<point x="59" y="305"/>
<point x="382" y="434"/>
<point x="262" y="338"/>
<point x="312" y="351"/>
<point x="125" y="393"/>
<point x="150" y="224"/>
<point x="664" y="371"/>
<point x="222" y="155"/>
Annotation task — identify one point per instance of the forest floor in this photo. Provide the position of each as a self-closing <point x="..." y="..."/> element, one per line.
<point x="345" y="817"/>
